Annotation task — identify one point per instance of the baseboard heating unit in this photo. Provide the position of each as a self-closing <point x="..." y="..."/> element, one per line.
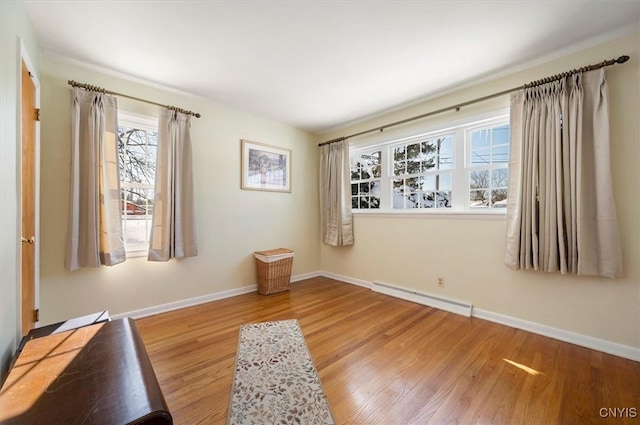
<point x="453" y="306"/>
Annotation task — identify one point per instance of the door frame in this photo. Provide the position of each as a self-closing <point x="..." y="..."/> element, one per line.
<point x="24" y="57"/>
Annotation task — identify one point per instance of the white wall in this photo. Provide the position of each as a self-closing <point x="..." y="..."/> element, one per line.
<point x="231" y="223"/>
<point x="412" y="252"/>
<point x="16" y="31"/>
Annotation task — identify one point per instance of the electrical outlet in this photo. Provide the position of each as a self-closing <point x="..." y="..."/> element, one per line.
<point x="441" y="282"/>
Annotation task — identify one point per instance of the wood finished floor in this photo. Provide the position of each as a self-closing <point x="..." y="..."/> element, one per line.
<point x="387" y="361"/>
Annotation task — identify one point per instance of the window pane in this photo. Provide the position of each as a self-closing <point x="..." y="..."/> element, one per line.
<point x="499" y="178"/>
<point x="479" y="179"/>
<point x="354" y="189"/>
<point x="364" y="188"/>
<point x="398" y="193"/>
<point x="152" y="146"/>
<point x="443" y="199"/>
<point x="399" y="168"/>
<point x="134" y="201"/>
<point x="429" y="182"/>
<point x="501" y="135"/>
<point x="375" y="202"/>
<point x="354" y="161"/>
<point x="133" y="140"/>
<point x="480" y="139"/>
<point x="377" y="171"/>
<point x="136" y="230"/>
<point x="424" y="200"/>
<point x="446" y="146"/>
<point x="413" y="167"/>
<point x="375" y="158"/>
<point x="364" y="202"/>
<point x="354" y="202"/>
<point x="479" y="198"/>
<point x="500" y="154"/>
<point x="141" y="170"/>
<point x="429" y="148"/>
<point x="480" y="157"/>
<point x="444" y="182"/>
<point x="413" y="151"/>
<point x="399" y="153"/>
<point x="412" y="200"/>
<point x="413" y="183"/>
<point x="428" y="164"/>
<point x="375" y="188"/>
<point x="355" y="174"/>
<point x="365" y="173"/>
<point x="398" y="201"/>
<point x="499" y="198"/>
<point x="445" y="162"/>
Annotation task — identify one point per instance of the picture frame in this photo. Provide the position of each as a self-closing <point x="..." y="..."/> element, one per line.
<point x="265" y="167"/>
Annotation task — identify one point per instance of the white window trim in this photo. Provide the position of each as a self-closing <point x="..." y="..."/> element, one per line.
<point x="460" y="204"/>
<point x="142" y="122"/>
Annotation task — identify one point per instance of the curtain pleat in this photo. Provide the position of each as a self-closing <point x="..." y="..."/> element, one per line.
<point x="561" y="214"/>
<point x="335" y="194"/>
<point x="95" y="226"/>
<point x="173" y="228"/>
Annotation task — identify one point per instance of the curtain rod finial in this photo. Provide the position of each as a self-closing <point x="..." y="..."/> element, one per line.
<point x="622" y="59"/>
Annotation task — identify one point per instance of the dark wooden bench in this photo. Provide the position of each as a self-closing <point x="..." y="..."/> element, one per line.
<point x="94" y="375"/>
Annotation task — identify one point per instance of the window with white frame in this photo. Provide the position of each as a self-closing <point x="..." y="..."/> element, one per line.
<point x="422" y="175"/>
<point x="488" y="162"/>
<point x="137" y="149"/>
<point x="460" y="168"/>
<point x="366" y="171"/>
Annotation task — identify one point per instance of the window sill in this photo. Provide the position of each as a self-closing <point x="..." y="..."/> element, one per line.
<point x="456" y="215"/>
<point x="137" y="253"/>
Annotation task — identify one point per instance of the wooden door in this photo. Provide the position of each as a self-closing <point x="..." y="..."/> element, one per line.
<point x="29" y="118"/>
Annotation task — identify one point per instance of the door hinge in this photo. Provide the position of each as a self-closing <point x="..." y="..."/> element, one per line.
<point x="36" y="315"/>
<point x="37" y="114"/>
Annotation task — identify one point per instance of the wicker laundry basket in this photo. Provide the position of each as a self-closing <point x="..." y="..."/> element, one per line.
<point x="274" y="270"/>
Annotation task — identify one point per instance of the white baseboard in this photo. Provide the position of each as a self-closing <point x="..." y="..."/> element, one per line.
<point x="190" y="302"/>
<point x="304" y="276"/>
<point x="605" y="346"/>
<point x="347" y="279"/>
<point x="625" y="351"/>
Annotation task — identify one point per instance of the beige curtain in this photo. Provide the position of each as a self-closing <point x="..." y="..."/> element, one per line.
<point x="561" y="214"/>
<point x="173" y="229"/>
<point x="95" y="226"/>
<point x="335" y="194"/>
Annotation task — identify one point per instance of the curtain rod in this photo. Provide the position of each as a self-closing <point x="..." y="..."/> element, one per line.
<point x="102" y="90"/>
<point x="621" y="59"/>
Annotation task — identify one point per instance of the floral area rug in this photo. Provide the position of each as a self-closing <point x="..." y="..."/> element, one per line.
<point x="275" y="379"/>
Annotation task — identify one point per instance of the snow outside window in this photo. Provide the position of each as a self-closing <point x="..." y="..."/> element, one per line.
<point x="422" y="175"/>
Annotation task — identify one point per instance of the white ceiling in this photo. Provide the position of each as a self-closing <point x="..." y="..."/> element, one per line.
<point x="320" y="64"/>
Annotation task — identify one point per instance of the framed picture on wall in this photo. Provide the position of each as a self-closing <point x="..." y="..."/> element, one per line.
<point x="265" y="167"/>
